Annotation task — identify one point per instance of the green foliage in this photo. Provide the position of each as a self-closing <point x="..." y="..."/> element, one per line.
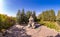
<point x="52" y="15"/>
<point x="18" y="17"/>
<point x="34" y="16"/>
<point x="58" y="15"/>
<point x="47" y="15"/>
<point x="28" y="14"/>
<point x="23" y="17"/>
<point x="58" y="18"/>
<point x="6" y="21"/>
<point x="58" y="21"/>
<point x="41" y="23"/>
<point x="50" y="24"/>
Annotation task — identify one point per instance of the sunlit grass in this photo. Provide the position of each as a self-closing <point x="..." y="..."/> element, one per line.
<point x="51" y="25"/>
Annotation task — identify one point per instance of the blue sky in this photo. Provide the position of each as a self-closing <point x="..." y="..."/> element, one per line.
<point x="10" y="7"/>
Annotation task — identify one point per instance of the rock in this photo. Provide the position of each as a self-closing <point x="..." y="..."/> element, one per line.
<point x="16" y="32"/>
<point x="1" y="35"/>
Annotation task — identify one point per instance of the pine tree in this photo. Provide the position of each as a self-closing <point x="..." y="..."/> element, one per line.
<point x="18" y="16"/>
<point x="52" y="15"/>
<point x="34" y="16"/>
<point x="28" y="14"/>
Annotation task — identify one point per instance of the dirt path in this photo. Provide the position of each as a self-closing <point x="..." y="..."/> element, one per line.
<point x="42" y="31"/>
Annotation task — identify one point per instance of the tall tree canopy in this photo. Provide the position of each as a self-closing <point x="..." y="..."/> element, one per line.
<point x="23" y="17"/>
<point x="34" y="16"/>
<point x="48" y="15"/>
<point x="58" y="15"/>
<point x="18" y="17"/>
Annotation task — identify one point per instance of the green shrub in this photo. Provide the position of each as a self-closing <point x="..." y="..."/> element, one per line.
<point x="49" y="24"/>
<point x="6" y="21"/>
<point x="41" y="23"/>
<point x="52" y="25"/>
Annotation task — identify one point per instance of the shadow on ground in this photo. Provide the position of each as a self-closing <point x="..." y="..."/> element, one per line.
<point x="16" y="32"/>
<point x="58" y="35"/>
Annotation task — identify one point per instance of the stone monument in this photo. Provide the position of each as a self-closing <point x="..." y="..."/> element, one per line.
<point x="31" y="22"/>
